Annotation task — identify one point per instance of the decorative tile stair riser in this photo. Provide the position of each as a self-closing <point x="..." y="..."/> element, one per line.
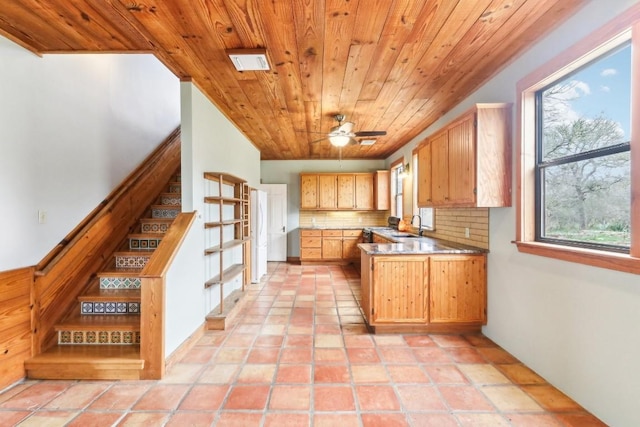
<point x="109" y="307"/>
<point x="175" y="188"/>
<point x="165" y="212"/>
<point x="154" y="227"/>
<point x="145" y="243"/>
<point x="171" y="199"/>
<point x="98" y="337"/>
<point x="120" y="283"/>
<point x="131" y="261"/>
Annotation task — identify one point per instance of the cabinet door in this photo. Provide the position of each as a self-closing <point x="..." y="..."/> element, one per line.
<point x="364" y="191"/>
<point x="458" y="286"/>
<point x="381" y="191"/>
<point x="424" y="175"/>
<point x="400" y="287"/>
<point x="462" y="159"/>
<point x="308" y="191"/>
<point x="327" y="192"/>
<point x="350" y="249"/>
<point x="346" y="191"/>
<point x="439" y="169"/>
<point x="331" y="248"/>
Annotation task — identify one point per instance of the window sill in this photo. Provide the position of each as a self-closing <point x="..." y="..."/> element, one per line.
<point x="609" y="260"/>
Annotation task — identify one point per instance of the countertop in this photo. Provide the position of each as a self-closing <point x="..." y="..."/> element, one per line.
<point x="410" y="244"/>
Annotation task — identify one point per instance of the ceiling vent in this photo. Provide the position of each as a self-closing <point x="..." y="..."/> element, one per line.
<point x="367" y="141"/>
<point x="249" y="59"/>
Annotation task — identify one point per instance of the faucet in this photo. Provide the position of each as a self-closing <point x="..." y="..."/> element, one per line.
<point x="419" y="224"/>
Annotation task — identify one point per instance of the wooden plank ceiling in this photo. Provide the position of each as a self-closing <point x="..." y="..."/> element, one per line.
<point x="392" y="65"/>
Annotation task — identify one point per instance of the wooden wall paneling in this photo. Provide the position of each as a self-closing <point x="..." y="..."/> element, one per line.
<point x="16" y="290"/>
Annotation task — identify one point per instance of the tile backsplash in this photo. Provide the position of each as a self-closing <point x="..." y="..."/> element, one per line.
<point x="343" y="218"/>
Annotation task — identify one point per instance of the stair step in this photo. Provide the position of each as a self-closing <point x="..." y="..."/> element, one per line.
<point x="171" y="199"/>
<point x="165" y="211"/>
<point x="132" y="260"/>
<point x="155" y="225"/>
<point x="98" y="301"/>
<point x="86" y="362"/>
<point x="99" y="330"/>
<point x="144" y="241"/>
<point x="119" y="279"/>
<point x="175" y="187"/>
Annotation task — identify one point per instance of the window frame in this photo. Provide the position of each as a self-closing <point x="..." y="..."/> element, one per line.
<point x="427" y="215"/>
<point x="621" y="29"/>
<point x="393" y="187"/>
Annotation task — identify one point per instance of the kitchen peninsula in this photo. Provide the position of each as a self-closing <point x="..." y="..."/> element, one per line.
<point x="420" y="284"/>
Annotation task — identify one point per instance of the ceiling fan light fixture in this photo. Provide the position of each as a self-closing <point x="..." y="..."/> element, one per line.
<point x="249" y="59"/>
<point x="339" y="140"/>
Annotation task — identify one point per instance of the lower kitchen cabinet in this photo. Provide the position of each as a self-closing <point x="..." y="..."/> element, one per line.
<point x="424" y="293"/>
<point x="350" y="240"/>
<point x="330" y="245"/>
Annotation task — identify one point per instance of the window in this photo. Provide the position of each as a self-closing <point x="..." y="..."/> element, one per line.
<point x="578" y="175"/>
<point x="397" y="176"/>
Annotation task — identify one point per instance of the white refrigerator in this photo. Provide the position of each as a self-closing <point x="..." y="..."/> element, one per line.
<point x="258" y="235"/>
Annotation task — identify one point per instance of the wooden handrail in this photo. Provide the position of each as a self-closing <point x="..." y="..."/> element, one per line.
<point x="153" y="296"/>
<point x="60" y="249"/>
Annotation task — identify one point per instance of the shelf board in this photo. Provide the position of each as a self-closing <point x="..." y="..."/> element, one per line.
<point x="226" y="178"/>
<point x="222" y="223"/>
<point x="226" y="245"/>
<point x="222" y="199"/>
<point x="226" y="276"/>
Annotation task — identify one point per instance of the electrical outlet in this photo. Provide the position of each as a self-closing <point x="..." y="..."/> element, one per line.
<point x="313" y="220"/>
<point x="360" y="219"/>
<point x="42" y="216"/>
<point x="466" y="232"/>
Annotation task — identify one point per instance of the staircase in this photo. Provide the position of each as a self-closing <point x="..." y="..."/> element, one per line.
<point x="100" y="337"/>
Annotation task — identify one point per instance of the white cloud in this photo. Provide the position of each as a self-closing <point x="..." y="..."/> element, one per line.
<point x="609" y="72"/>
<point x="605" y="89"/>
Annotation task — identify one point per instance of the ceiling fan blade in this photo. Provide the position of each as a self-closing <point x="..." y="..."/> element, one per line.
<point x="346" y="127"/>
<point x="309" y="131"/>
<point x="371" y="133"/>
<point x="317" y="140"/>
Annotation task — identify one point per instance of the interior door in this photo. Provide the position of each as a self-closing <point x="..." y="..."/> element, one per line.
<point x="276" y="221"/>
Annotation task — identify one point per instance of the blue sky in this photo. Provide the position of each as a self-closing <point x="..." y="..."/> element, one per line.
<point x="605" y="89"/>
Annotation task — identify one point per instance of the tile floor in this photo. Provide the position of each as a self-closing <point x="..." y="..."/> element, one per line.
<point x="299" y="355"/>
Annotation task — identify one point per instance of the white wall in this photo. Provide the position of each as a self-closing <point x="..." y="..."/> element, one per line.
<point x="288" y="172"/>
<point x="210" y="143"/>
<point x="573" y="324"/>
<point x="73" y="127"/>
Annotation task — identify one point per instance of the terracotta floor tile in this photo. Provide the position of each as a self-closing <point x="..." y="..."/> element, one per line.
<point x="94" y="419"/>
<point x="444" y="340"/>
<point x="482" y="420"/>
<point x="199" y="354"/>
<point x="263" y="355"/>
<point x="296" y="355"/>
<point x="231" y="355"/>
<point x="258" y="373"/>
<point x="479" y="340"/>
<point x="191" y="419"/>
<point x="294" y="374"/>
<point x="10" y="418"/>
<point x="407" y="374"/>
<point x="328" y="341"/>
<point x="551" y="399"/>
<point x="369" y="374"/>
<point x="219" y="374"/>
<point x="49" y="419"/>
<point x="333" y="398"/>
<point x="465" y="355"/>
<point x="377" y="398"/>
<point x="496" y="355"/>
<point x="163" y="397"/>
<point x="182" y="373"/>
<point x="384" y="420"/>
<point x="431" y="355"/>
<point x="239" y="419"/>
<point x="290" y="397"/>
<point x="533" y="420"/>
<point x="511" y="399"/>
<point x="204" y="398"/>
<point x="419" y="340"/>
<point x="362" y="355"/>
<point x="251" y="397"/>
<point x="420" y="398"/>
<point x="77" y="396"/>
<point x="386" y="340"/>
<point x="396" y="355"/>
<point x="286" y="420"/>
<point x="119" y="397"/>
<point x="331" y="374"/>
<point x="330" y="355"/>
<point x="483" y="374"/>
<point x="335" y="420"/>
<point x="360" y="341"/>
<point x="298" y="341"/>
<point x="37" y="395"/>
<point x="239" y="340"/>
<point x="432" y="420"/>
<point x="520" y="374"/>
<point x="465" y="398"/>
<point x="16" y="389"/>
<point x="269" y="341"/>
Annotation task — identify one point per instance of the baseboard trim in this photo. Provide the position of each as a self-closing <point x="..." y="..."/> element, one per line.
<point x="184" y="348"/>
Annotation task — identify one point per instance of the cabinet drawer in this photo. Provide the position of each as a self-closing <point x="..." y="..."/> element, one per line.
<point x="310" y="233"/>
<point x="311" y="253"/>
<point x="351" y="233"/>
<point x="311" y="242"/>
<point x="331" y="233"/>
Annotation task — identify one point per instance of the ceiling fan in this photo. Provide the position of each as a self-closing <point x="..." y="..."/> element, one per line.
<point x="343" y="134"/>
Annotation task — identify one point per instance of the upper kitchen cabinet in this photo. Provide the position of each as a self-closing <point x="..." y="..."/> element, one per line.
<point x="381" y="193"/>
<point x="343" y="191"/>
<point x="468" y="163"/>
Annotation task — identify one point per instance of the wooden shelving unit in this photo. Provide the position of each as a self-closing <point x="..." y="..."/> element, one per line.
<point x="231" y="197"/>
